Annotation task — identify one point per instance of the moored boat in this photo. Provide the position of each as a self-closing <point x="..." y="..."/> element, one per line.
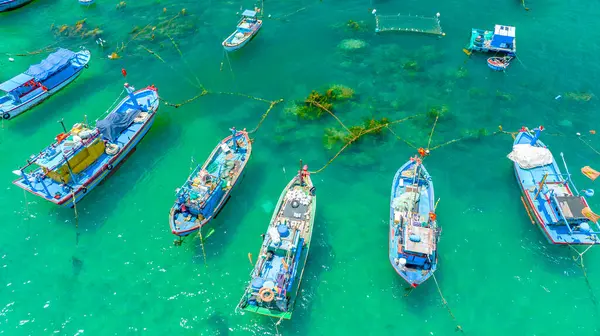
<point x="246" y="29"/>
<point x="499" y="63"/>
<point x="550" y="197"/>
<point x="414" y="231"/>
<point x="6" y="5"/>
<point x="274" y="287"/>
<point x="67" y="170"/>
<point x="86" y="2"/>
<point x="42" y="80"/>
<point x="209" y="186"/>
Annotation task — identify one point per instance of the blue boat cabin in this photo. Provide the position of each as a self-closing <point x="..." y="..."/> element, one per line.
<point x="501" y="40"/>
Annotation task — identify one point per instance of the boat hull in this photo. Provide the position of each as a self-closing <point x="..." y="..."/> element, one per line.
<point x="33" y="101"/>
<point x="302" y="259"/>
<point x="231" y="48"/>
<point x="101" y="168"/>
<point x="539" y="212"/>
<point x="7" y="5"/>
<point x="413" y="276"/>
<point x="189" y="229"/>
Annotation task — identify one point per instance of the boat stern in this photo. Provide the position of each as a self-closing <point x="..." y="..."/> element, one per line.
<point x="44" y="187"/>
<point x="82" y="58"/>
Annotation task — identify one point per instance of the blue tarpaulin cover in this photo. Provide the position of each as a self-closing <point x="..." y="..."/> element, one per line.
<point x="53" y="63"/>
<point x="15" y="82"/>
<point x="112" y="126"/>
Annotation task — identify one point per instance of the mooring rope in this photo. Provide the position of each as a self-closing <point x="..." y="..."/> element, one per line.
<point x="399" y="138"/>
<point x="314" y="103"/>
<point x="76" y="216"/>
<point x="273" y="103"/>
<point x="184" y="60"/>
<point x="587" y="281"/>
<point x="588" y="144"/>
<point x="202" y="245"/>
<point x="203" y="93"/>
<point x="444" y="302"/>
<point x="433" y="129"/>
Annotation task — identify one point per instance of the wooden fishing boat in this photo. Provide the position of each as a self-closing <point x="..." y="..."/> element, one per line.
<point x="67" y="170"/>
<point x="550" y="197"/>
<point x="273" y="289"/>
<point x="209" y="186"/>
<point x="6" y="5"/>
<point x="246" y="29"/>
<point x="499" y="63"/>
<point x="86" y="2"/>
<point x="42" y="80"/>
<point x="414" y="231"/>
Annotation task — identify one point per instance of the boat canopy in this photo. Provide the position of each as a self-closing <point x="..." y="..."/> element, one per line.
<point x="114" y="123"/>
<point x="528" y="156"/>
<point x="249" y="13"/>
<point x="53" y="63"/>
<point x="15" y="82"/>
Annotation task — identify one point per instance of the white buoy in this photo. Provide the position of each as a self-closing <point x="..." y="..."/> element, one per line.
<point x="402" y="261"/>
<point x="10" y="59"/>
<point x="578" y="134"/>
<point x="437" y="14"/>
<point x="374" y="11"/>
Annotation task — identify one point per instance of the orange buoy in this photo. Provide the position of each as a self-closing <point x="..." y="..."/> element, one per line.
<point x="124" y="72"/>
<point x="432" y="216"/>
<point x="422" y="151"/>
<point x="61" y="137"/>
<point x="592" y="131"/>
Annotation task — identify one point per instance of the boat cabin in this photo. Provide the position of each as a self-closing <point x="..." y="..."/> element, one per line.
<point x="248" y="20"/>
<point x="501" y="40"/>
<point x="19" y="89"/>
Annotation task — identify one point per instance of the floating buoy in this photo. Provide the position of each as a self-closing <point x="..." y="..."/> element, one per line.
<point x="558" y="97"/>
<point x="10" y="59"/>
<point x="124" y="72"/>
<point x="592" y="131"/>
<point x="588" y="192"/>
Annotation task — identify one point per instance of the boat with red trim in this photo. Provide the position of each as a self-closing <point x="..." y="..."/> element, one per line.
<point x="79" y="159"/>
<point x="551" y="199"/>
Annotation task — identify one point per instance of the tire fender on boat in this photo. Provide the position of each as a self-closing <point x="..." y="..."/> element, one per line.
<point x="266" y="294"/>
<point x="86" y="66"/>
<point x="84" y="190"/>
<point x="6" y="115"/>
<point x="109" y="167"/>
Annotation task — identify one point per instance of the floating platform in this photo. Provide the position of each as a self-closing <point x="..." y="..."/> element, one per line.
<point x="501" y="40"/>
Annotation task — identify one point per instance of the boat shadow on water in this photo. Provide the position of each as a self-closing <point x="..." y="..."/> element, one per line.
<point x="105" y="198"/>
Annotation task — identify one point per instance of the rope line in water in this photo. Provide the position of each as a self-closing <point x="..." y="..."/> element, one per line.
<point x="433" y="129"/>
<point x="316" y="104"/>
<point x="445" y="303"/>
<point x="399" y="138"/>
<point x="273" y="103"/>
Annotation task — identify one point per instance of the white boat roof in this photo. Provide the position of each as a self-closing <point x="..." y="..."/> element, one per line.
<point x="249" y="13"/>
<point x="15" y="82"/>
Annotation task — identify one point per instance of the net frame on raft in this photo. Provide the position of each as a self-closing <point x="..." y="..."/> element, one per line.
<point x="384" y="23"/>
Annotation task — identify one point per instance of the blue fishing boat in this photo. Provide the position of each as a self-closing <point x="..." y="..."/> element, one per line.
<point x="67" y="170"/>
<point x="414" y="232"/>
<point x="6" y="5"/>
<point x="209" y="186"/>
<point x="499" y="63"/>
<point x="246" y="29"/>
<point x="273" y="289"/>
<point x="550" y="197"/>
<point x="86" y="2"/>
<point x="40" y="81"/>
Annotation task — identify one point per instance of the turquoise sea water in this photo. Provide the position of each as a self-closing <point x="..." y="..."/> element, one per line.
<point x="118" y="271"/>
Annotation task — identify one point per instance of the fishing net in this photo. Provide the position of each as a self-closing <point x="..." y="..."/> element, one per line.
<point x="408" y="23"/>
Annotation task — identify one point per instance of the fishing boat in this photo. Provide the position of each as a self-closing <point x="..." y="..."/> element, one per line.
<point x="86" y="2"/>
<point x="414" y="231"/>
<point x="246" y="29"/>
<point x="6" y="5"/>
<point x="276" y="277"/>
<point x="550" y="197"/>
<point x="42" y="80"/>
<point x="502" y="40"/>
<point x="499" y="63"/>
<point x="209" y="186"/>
<point x="67" y="170"/>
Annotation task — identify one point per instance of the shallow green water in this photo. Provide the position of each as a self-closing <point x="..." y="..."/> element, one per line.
<point x="122" y="275"/>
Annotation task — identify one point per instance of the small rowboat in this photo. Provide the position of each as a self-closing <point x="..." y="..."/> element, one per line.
<point x="246" y="29"/>
<point x="86" y="2"/>
<point x="499" y="63"/>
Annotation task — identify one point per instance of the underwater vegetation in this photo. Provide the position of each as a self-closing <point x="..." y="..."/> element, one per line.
<point x="317" y="104"/>
<point x="580" y="96"/>
<point x="352" y="44"/>
<point x="79" y="29"/>
<point x="336" y="135"/>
